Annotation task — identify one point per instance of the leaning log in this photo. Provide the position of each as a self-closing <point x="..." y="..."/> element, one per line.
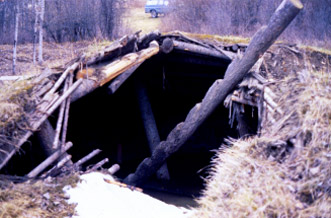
<point x="49" y="161"/>
<point x="35" y="125"/>
<point x="262" y="40"/>
<point x="125" y="65"/>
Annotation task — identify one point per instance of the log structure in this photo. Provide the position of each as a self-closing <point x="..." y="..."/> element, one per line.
<point x="112" y="67"/>
<point x="216" y="94"/>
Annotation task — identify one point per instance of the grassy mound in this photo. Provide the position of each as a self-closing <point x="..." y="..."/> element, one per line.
<point x="284" y="172"/>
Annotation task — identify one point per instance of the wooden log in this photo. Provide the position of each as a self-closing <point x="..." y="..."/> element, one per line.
<point x="167" y="46"/>
<point x="42" y="166"/>
<point x="60" y="120"/>
<point x="118" y="81"/>
<point x="86" y="158"/>
<point x="85" y="88"/>
<point x="145" y="40"/>
<point x="126" y="62"/>
<point x="35" y="125"/>
<point x="124" y="66"/>
<point x="98" y="165"/>
<point x="120" y="47"/>
<point x="46" y="136"/>
<point x="242" y="121"/>
<point x="150" y="127"/>
<point x="57" y="167"/>
<point x="66" y="113"/>
<point x="218" y="91"/>
<point x="197" y="49"/>
<point x="64" y="75"/>
<point x="113" y="169"/>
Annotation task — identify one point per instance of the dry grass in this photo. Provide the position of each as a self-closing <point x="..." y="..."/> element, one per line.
<point x="37" y="199"/>
<point x="286" y="171"/>
<point x="135" y="19"/>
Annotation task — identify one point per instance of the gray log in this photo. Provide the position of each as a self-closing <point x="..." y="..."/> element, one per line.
<point x="216" y="94"/>
<point x="197" y="49"/>
<point x="150" y="127"/>
<point x="49" y="161"/>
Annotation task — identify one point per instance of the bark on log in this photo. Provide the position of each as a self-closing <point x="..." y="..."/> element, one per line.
<point x="262" y="40"/>
<point x="48" y="161"/>
<point x="197" y="49"/>
<point x="46" y="136"/>
<point x="150" y="127"/>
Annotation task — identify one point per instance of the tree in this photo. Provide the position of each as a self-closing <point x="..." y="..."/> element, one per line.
<point x="17" y="13"/>
<point x="35" y="29"/>
<point x="41" y="34"/>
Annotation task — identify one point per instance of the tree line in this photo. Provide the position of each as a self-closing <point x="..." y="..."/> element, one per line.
<point x="60" y="20"/>
<point x="245" y="17"/>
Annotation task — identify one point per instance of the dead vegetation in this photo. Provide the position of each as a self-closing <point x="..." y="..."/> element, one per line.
<point x="284" y="172"/>
<point x="37" y="198"/>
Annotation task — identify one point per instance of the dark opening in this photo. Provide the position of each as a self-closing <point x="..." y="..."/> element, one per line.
<point x="112" y="123"/>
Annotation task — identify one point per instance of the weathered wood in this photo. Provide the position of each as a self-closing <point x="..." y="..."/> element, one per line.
<point x="98" y="165"/>
<point x="218" y="91"/>
<point x="242" y="121"/>
<point x="197" y="49"/>
<point x="60" y="119"/>
<point x="86" y="158"/>
<point x="118" y="81"/>
<point x="126" y="62"/>
<point x="120" y="69"/>
<point x="120" y="47"/>
<point x="167" y="46"/>
<point x="42" y="166"/>
<point x="150" y="127"/>
<point x="243" y="101"/>
<point x="85" y="88"/>
<point x="145" y="40"/>
<point x="46" y="136"/>
<point x="35" y="125"/>
<point x="66" y="113"/>
<point x="63" y="76"/>
<point x="113" y="169"/>
<point x="58" y="166"/>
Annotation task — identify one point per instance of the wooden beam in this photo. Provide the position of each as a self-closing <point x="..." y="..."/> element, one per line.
<point x="197" y="49"/>
<point x="118" y="81"/>
<point x="121" y="65"/>
<point x="150" y="127"/>
<point x="216" y="94"/>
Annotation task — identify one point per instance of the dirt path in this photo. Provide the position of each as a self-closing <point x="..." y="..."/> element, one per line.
<point x="136" y="19"/>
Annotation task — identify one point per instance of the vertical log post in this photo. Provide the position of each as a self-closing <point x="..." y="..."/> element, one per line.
<point x="150" y="127"/>
<point x="216" y="94"/>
